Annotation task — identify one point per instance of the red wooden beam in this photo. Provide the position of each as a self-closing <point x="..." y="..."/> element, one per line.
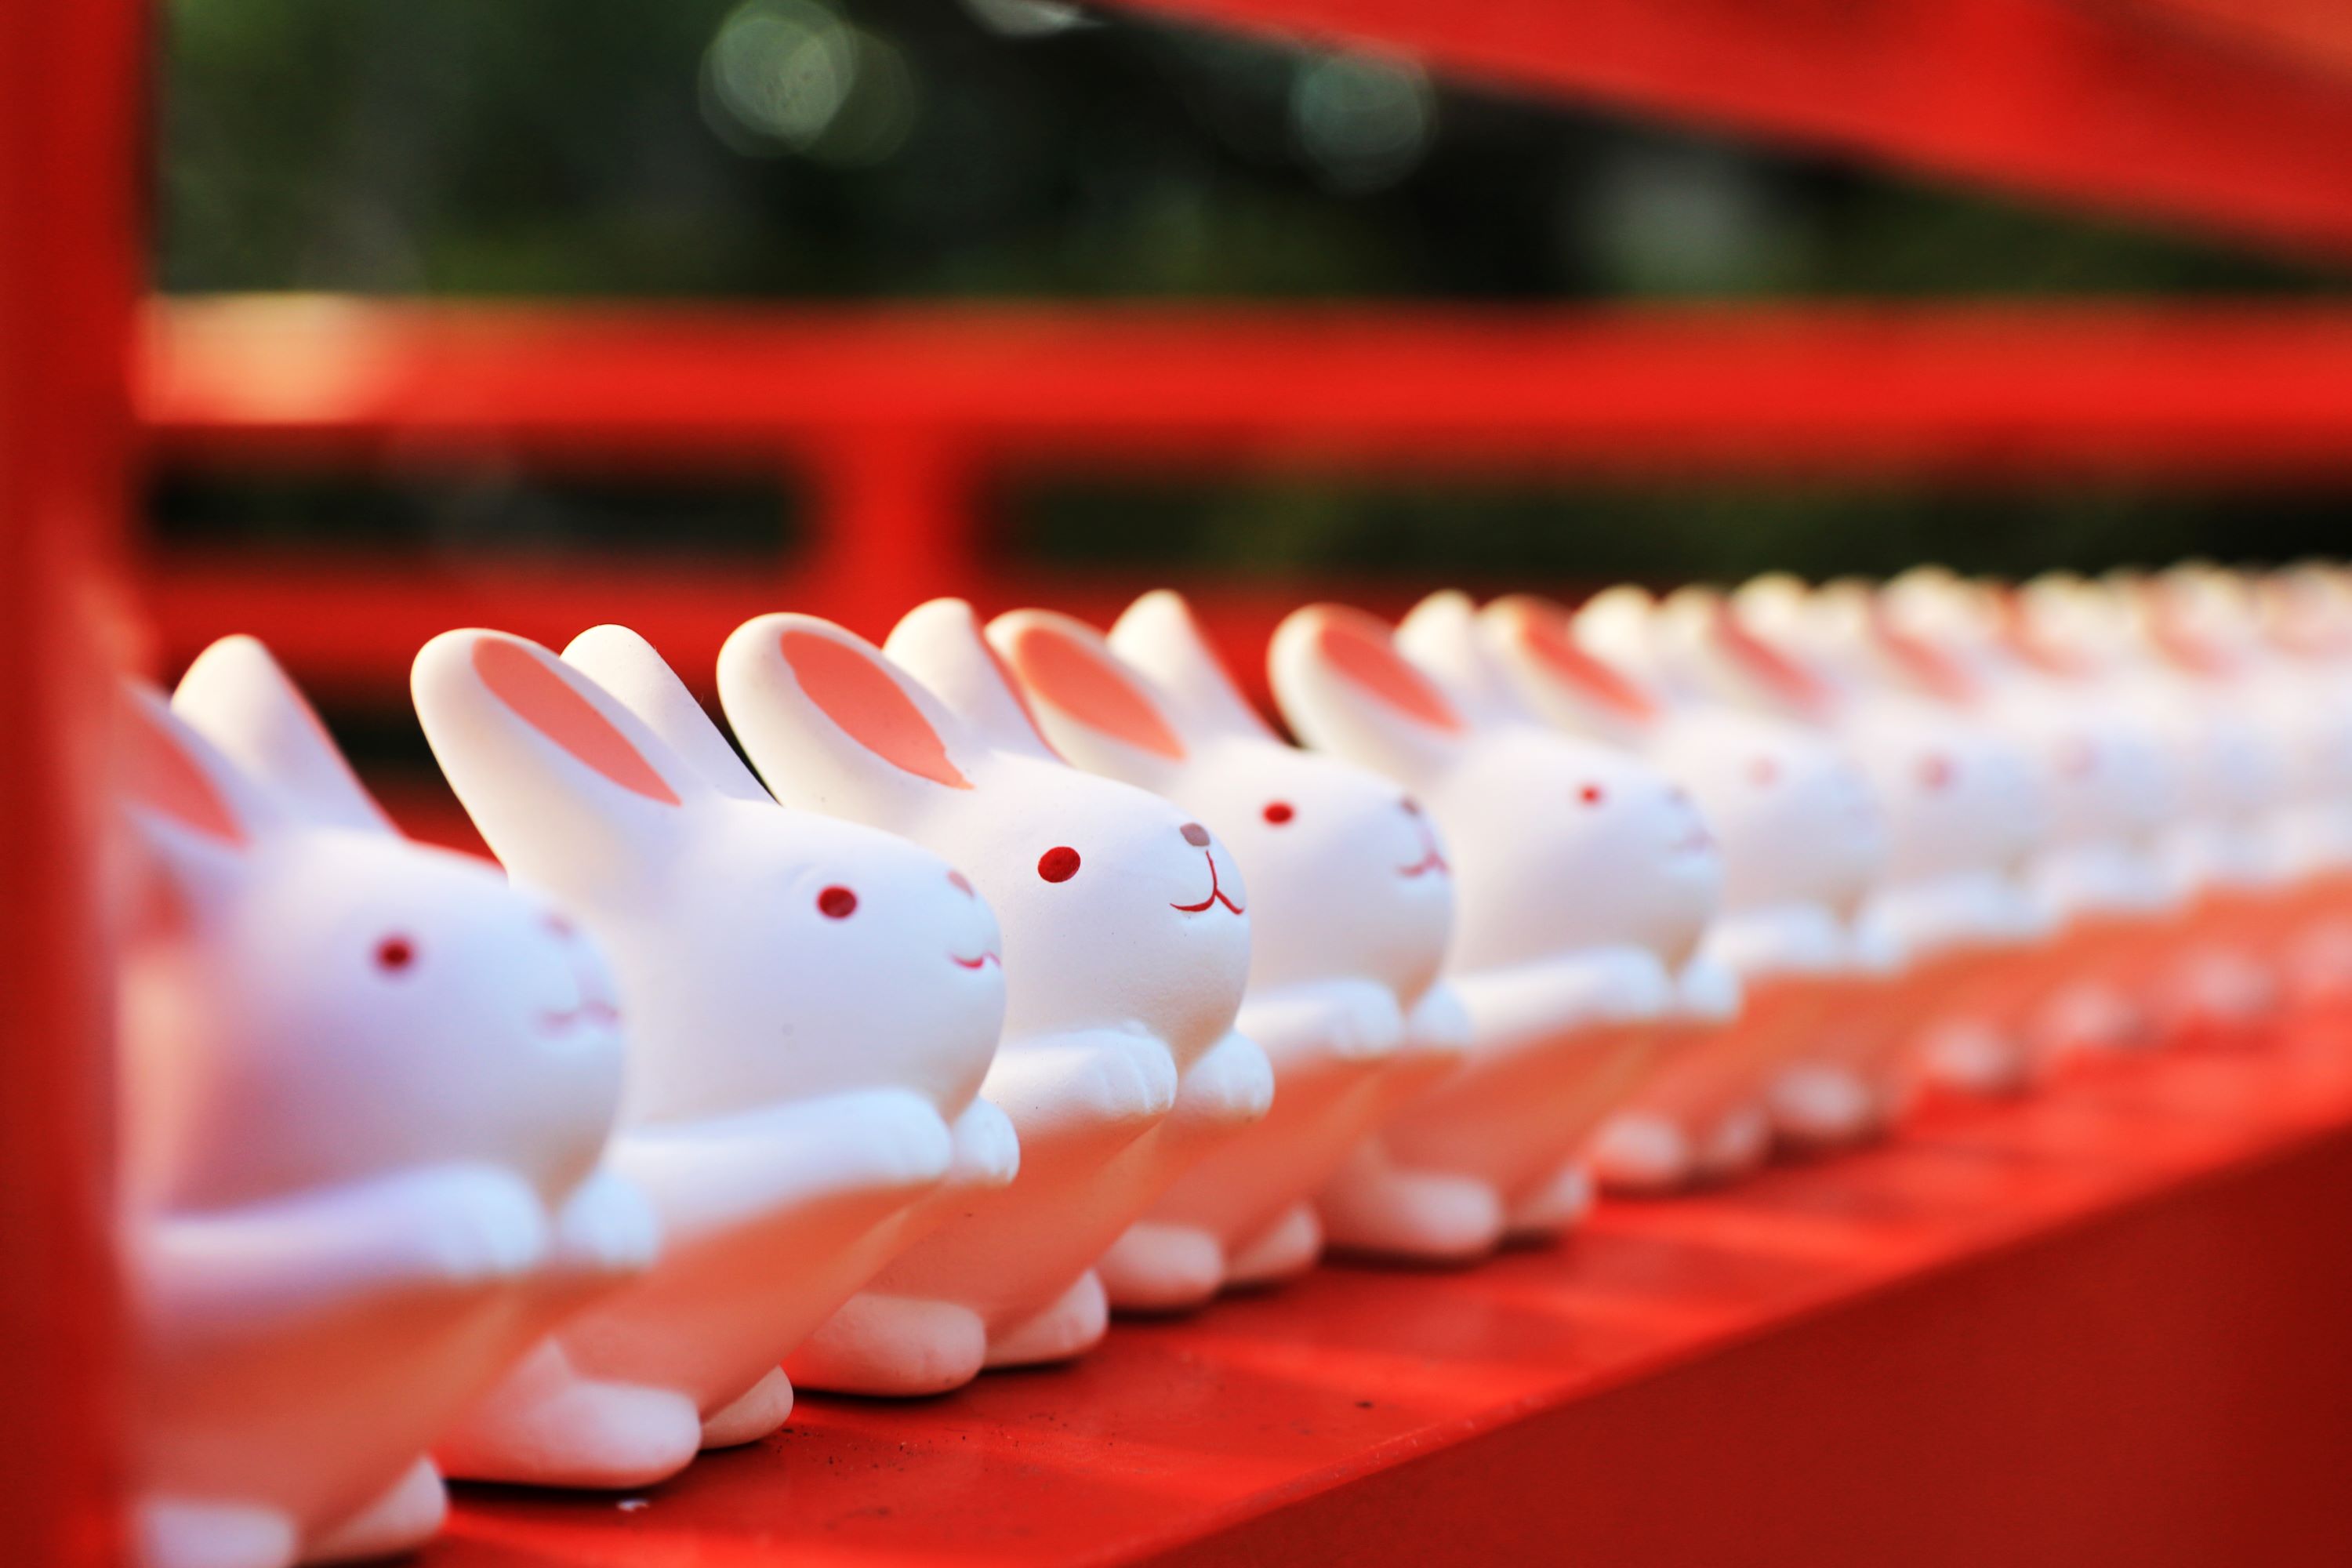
<point x="2235" y="121"/>
<point x="2093" y="1327"/>
<point x="2243" y="391"/>
<point x="69" y="140"/>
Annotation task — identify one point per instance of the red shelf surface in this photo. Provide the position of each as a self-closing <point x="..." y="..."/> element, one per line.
<point x="2104" y="1325"/>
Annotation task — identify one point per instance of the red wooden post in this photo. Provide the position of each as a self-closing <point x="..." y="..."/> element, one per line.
<point x="895" y="524"/>
<point x="71" y="128"/>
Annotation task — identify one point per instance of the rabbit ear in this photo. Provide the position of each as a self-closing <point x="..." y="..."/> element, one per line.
<point x="1345" y="688"/>
<point x="626" y="666"/>
<point x="1536" y="640"/>
<point x="1922" y="659"/>
<point x="833" y="724"/>
<point x="1761" y="666"/>
<point x="196" y="812"/>
<point x="239" y="699"/>
<point x="559" y="777"/>
<point x="1092" y="708"/>
<point x="1441" y="637"/>
<point x="940" y="645"/>
<point x="1159" y="637"/>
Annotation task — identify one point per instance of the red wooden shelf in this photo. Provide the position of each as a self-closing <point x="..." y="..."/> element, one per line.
<point x="2104" y="1325"/>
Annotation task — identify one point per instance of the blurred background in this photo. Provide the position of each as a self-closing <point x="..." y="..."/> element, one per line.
<point x="905" y="166"/>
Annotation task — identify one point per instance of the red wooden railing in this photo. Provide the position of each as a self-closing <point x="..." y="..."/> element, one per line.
<point x="903" y="419"/>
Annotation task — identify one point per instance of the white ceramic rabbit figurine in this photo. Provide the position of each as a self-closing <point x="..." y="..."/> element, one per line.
<point x="1351" y="903"/>
<point x="2231" y="776"/>
<point x="1802" y="843"/>
<point x="365" y="1088"/>
<point x="1961" y="806"/>
<point x="2102" y="772"/>
<point x="814" y="1006"/>
<point x="1125" y="946"/>
<point x="1582" y="877"/>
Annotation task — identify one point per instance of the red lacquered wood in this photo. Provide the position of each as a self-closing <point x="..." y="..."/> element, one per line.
<point x="903" y="417"/>
<point x="2232" y="115"/>
<point x="2243" y="391"/>
<point x="2103" y="1326"/>
<point x="68" y="246"/>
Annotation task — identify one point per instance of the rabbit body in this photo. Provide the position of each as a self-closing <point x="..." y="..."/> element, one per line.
<point x="816" y="1004"/>
<point x="1352" y="904"/>
<point x="366" y="1089"/>
<point x="1564" y="987"/>
<point x="1127" y="941"/>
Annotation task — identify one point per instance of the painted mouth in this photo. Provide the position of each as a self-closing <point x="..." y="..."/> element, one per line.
<point x="591" y="1011"/>
<point x="1432" y="861"/>
<point x="1216" y="893"/>
<point x="982" y="962"/>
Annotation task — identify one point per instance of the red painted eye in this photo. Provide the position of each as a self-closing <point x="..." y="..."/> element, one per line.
<point x="1763" y="773"/>
<point x="1589" y="795"/>
<point x="394" y="954"/>
<point x="837" y="903"/>
<point x="1058" y="864"/>
<point x="1935" y="770"/>
<point x="1278" y="812"/>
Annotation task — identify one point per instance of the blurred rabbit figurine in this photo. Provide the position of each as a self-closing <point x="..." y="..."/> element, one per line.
<point x="365" y="1090"/>
<point x="2101" y="770"/>
<point x="1961" y="807"/>
<point x="2231" y="776"/>
<point x="815" y="1005"/>
<point x="1352" y="905"/>
<point x="1126" y="945"/>
<point x="1801" y="843"/>
<point x="1582" y="880"/>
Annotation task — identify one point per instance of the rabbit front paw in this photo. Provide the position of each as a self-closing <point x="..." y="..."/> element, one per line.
<point x="1231" y="1086"/>
<point x="485" y="1227"/>
<point x="1131" y="1078"/>
<point x="909" y="1147"/>
<point x="607" y="1228"/>
<point x="987" y="1150"/>
<point x="1365" y="1025"/>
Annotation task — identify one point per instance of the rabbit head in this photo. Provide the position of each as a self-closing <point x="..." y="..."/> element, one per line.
<point x="1557" y="844"/>
<point x="1119" y="908"/>
<point x="1954" y="794"/>
<point x="768" y="953"/>
<point x="2099" y="768"/>
<point x="1345" y="869"/>
<point x="310" y="998"/>
<point x="1793" y="814"/>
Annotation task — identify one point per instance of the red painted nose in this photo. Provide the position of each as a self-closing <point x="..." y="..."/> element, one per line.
<point x="1196" y="835"/>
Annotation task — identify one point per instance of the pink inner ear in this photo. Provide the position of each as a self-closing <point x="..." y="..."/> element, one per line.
<point x="859" y="695"/>
<point x="1359" y="648"/>
<point x="1546" y="637"/>
<point x="1930" y="664"/>
<point x="1793" y="680"/>
<point x="167" y="781"/>
<point x="1076" y="680"/>
<point x="547" y="702"/>
<point x="1020" y="698"/>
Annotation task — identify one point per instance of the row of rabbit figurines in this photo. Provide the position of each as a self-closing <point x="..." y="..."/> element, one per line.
<point x="1034" y="976"/>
